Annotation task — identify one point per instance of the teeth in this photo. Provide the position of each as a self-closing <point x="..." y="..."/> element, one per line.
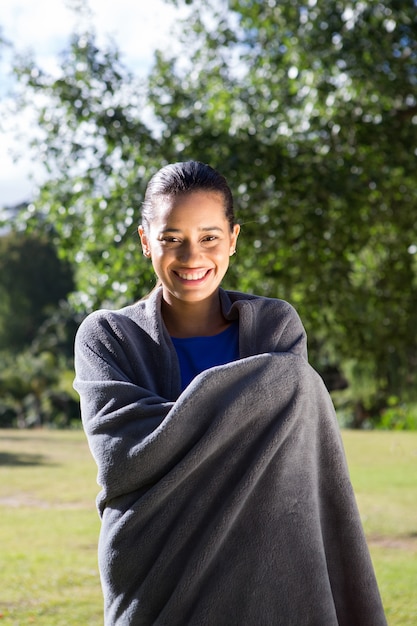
<point x="188" y="276"/>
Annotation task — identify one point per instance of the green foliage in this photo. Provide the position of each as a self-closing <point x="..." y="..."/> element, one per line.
<point x="365" y="403"/>
<point x="32" y="282"/>
<point x="37" y="329"/>
<point x="312" y="116"/>
<point x="36" y="389"/>
<point x="310" y="111"/>
<point x="316" y="127"/>
<point x="398" y="416"/>
<point x="96" y="149"/>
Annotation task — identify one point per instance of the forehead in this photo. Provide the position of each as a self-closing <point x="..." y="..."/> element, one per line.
<point x="190" y="208"/>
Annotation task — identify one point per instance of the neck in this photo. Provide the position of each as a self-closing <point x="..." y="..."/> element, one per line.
<point x="194" y="319"/>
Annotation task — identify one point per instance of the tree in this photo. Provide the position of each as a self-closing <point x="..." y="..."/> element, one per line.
<point x="35" y="390"/>
<point x="309" y="109"/>
<point x="33" y="280"/>
<point x="37" y="330"/>
<point x="312" y="114"/>
<point x="97" y="150"/>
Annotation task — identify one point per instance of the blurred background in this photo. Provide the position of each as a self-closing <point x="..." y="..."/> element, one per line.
<point x="310" y="111"/>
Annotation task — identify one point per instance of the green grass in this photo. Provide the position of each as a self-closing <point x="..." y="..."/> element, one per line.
<point x="383" y="468"/>
<point x="49" y="526"/>
<point x="48" y="530"/>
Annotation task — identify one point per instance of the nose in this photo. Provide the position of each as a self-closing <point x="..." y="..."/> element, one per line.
<point x="189" y="251"/>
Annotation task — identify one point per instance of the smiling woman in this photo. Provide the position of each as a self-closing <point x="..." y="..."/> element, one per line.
<point x="225" y="494"/>
<point x="190" y="242"/>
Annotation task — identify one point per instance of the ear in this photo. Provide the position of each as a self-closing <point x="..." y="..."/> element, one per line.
<point x="144" y="241"/>
<point x="233" y="238"/>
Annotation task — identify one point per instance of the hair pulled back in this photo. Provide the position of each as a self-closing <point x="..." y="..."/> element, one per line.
<point x="181" y="178"/>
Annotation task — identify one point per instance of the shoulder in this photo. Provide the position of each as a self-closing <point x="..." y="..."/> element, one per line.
<point x="144" y="314"/>
<point x="107" y="323"/>
<point x="266" y="324"/>
<point x="103" y="317"/>
<point x="240" y="300"/>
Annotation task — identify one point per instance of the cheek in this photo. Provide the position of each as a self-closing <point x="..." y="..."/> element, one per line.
<point x="157" y="250"/>
<point x="222" y="256"/>
<point x="161" y="257"/>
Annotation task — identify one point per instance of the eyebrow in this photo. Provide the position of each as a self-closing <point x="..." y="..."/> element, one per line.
<point x="204" y="229"/>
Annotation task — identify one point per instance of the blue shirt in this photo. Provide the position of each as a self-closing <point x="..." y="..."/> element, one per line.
<point x="197" y="354"/>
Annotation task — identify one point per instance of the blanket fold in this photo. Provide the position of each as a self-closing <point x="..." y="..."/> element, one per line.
<point x="231" y="506"/>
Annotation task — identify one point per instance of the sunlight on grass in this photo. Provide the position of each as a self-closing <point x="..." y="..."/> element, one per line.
<point x="396" y="570"/>
<point x="48" y="530"/>
<point x="49" y="525"/>
<point x="383" y="468"/>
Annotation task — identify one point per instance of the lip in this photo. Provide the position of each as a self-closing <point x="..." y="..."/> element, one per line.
<point x="192" y="277"/>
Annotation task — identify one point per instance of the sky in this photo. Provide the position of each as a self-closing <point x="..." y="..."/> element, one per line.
<point x="43" y="27"/>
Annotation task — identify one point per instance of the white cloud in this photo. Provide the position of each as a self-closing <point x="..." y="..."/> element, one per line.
<point x="43" y="27"/>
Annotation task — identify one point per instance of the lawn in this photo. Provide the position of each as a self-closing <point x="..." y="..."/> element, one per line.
<point x="49" y="526"/>
<point x="48" y="530"/>
<point x="383" y="467"/>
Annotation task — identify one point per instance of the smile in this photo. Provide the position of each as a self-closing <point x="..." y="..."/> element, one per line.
<point x="192" y="275"/>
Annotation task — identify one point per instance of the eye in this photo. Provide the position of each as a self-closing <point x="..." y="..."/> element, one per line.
<point x="167" y="239"/>
<point x="210" y="238"/>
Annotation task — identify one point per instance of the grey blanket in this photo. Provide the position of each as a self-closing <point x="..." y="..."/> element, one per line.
<point x="231" y="506"/>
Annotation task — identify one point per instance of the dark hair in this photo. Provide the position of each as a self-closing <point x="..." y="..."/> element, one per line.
<point x="181" y="178"/>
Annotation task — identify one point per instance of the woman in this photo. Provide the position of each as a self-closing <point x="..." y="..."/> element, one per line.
<point x="225" y="494"/>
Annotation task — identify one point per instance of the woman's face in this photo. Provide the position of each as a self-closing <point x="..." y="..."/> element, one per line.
<point x="190" y="243"/>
